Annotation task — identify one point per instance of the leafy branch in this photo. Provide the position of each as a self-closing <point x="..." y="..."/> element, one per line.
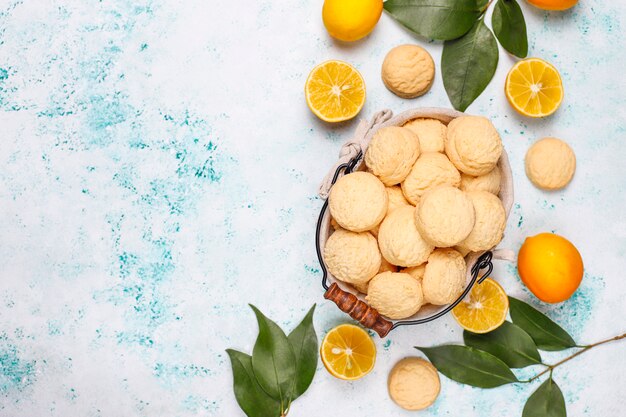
<point x="486" y="360"/>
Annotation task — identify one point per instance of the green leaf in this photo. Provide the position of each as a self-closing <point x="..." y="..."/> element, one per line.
<point x="304" y="343"/>
<point x="509" y="343"/>
<point x="249" y="394"/>
<point x="435" y="19"/>
<point x="468" y="65"/>
<point x="547" y="334"/>
<point x="509" y="27"/>
<point x="273" y="360"/>
<point x="469" y="366"/>
<point x="547" y="401"/>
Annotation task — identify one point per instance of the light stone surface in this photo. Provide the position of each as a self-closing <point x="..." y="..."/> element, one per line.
<point x="159" y="169"/>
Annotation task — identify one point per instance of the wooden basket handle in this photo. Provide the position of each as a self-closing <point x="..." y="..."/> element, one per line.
<point x="358" y="310"/>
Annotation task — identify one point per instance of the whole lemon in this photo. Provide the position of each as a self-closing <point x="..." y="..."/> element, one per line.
<point x="550" y="266"/>
<point x="553" y="4"/>
<point x="351" y="20"/>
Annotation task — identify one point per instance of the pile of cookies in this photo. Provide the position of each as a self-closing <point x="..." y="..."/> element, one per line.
<point x="426" y="200"/>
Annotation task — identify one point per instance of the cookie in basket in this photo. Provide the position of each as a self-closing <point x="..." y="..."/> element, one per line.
<point x="444" y="277"/>
<point x="399" y="240"/>
<point x="352" y="257"/>
<point x="416" y="272"/>
<point x="430" y="170"/>
<point x="396" y="200"/>
<point x="384" y="267"/>
<point x="391" y="153"/>
<point x="395" y="295"/>
<point x="489" y="182"/>
<point x="431" y="134"/>
<point x="490" y="222"/>
<point x="473" y="145"/>
<point x="445" y="216"/>
<point x="358" y="201"/>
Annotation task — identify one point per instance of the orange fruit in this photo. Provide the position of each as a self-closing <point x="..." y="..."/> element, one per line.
<point x="348" y="352"/>
<point x="550" y="266"/>
<point x="351" y="20"/>
<point x="335" y="91"/>
<point x="534" y="88"/>
<point x="484" y="309"/>
<point x="553" y="4"/>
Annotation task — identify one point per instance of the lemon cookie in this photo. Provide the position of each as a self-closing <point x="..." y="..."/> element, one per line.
<point x="473" y="145"/>
<point x="444" y="216"/>
<point x="391" y="153"/>
<point x="416" y="272"/>
<point x="430" y="170"/>
<point x="550" y="163"/>
<point x="489" y="224"/>
<point x="396" y="200"/>
<point x="384" y="267"/>
<point x="399" y="240"/>
<point x="358" y="201"/>
<point x="413" y="384"/>
<point x="352" y="257"/>
<point x="395" y="295"/>
<point x="444" y="276"/>
<point x="408" y="71"/>
<point x="489" y="182"/>
<point x="431" y="134"/>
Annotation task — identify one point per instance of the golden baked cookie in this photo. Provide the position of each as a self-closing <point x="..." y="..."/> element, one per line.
<point x="473" y="145"/>
<point x="490" y="222"/>
<point x="358" y="201"/>
<point x="395" y="295"/>
<point x="413" y="384"/>
<point x="431" y="133"/>
<point x="408" y="71"/>
<point x="352" y="257"/>
<point x="489" y="182"/>
<point x="550" y="163"/>
<point x="396" y="199"/>
<point x="334" y="224"/>
<point x="416" y="272"/>
<point x="391" y="153"/>
<point x="444" y="277"/>
<point x="430" y="170"/>
<point x="399" y="240"/>
<point x="384" y="267"/>
<point x="444" y="216"/>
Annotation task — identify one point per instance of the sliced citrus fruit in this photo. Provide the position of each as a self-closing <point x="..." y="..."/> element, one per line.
<point x="484" y="309"/>
<point x="335" y="91"/>
<point x="534" y="88"/>
<point x="348" y="352"/>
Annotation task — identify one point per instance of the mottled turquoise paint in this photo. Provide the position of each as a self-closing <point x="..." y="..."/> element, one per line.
<point x="16" y="373"/>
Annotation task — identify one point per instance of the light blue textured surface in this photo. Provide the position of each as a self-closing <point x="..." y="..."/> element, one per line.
<point x="159" y="170"/>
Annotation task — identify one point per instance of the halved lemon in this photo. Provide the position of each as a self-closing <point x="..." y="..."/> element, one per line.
<point x="348" y="352"/>
<point x="534" y="88"/>
<point x="335" y="91"/>
<point x="484" y="309"/>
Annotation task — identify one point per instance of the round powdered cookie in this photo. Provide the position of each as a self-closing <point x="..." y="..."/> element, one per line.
<point x="413" y="384"/>
<point x="399" y="240"/>
<point x="473" y="145"/>
<point x="358" y="201"/>
<point x="489" y="224"/>
<point x="352" y="257"/>
<point x="489" y="182"/>
<point x="391" y="154"/>
<point x="550" y="163"/>
<point x="444" y="216"/>
<point x="395" y="295"/>
<point x="408" y="71"/>
<point x="430" y="170"/>
<point x="444" y="277"/>
<point x="416" y="272"/>
<point x="431" y="133"/>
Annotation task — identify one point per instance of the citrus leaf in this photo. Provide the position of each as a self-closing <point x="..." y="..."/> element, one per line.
<point x="304" y="343"/>
<point x="435" y="19"/>
<point x="468" y="65"/>
<point x="546" y="401"/>
<point x="273" y="360"/>
<point x="508" y="342"/>
<point x="547" y="334"/>
<point x="249" y="394"/>
<point x="509" y="27"/>
<point x="469" y="366"/>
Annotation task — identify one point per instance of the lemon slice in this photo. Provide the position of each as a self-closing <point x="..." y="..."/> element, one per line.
<point x="484" y="309"/>
<point x="348" y="352"/>
<point x="335" y="91"/>
<point x="534" y="88"/>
